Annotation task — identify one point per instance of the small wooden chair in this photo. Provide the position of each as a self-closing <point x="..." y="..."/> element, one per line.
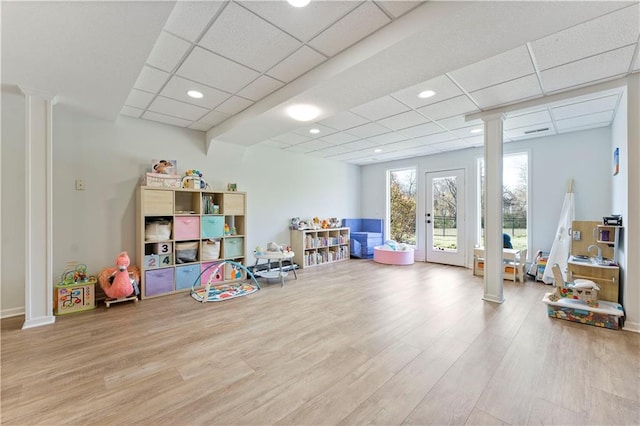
<point x="514" y="265"/>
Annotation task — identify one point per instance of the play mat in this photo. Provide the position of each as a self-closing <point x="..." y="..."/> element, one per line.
<point x="220" y="292"/>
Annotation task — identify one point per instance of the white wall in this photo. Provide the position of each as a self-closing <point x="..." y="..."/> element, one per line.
<point x="582" y="156"/>
<point x="94" y="225"/>
<point x="13" y="202"/>
<point x="619" y="183"/>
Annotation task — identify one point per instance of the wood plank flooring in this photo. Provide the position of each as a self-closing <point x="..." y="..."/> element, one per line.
<point x="351" y="343"/>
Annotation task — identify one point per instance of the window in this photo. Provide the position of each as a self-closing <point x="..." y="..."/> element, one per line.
<point x="401" y="187"/>
<point x="515" y="187"/>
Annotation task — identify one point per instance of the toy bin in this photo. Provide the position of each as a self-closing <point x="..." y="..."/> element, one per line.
<point x="186" y="228"/>
<point x="76" y="297"/>
<point x="186" y="276"/>
<point x="212" y="226"/>
<point x="607" y="314"/>
<point x="158" y="281"/>
<point x="233" y="247"/>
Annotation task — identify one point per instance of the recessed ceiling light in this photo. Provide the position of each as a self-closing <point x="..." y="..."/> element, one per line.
<point x="477" y="130"/>
<point x="303" y="112"/>
<point x="426" y="94"/>
<point x="195" y="94"/>
<point x="298" y="3"/>
<point x="377" y="150"/>
<point x="314" y="131"/>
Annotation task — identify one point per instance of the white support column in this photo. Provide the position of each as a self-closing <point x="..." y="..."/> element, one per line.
<point x="493" y="266"/>
<point x="631" y="285"/>
<point x="38" y="209"/>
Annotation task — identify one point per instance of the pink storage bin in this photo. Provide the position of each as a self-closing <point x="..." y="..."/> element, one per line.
<point x="186" y="228"/>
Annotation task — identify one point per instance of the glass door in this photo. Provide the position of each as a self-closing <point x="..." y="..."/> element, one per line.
<point x="445" y="217"/>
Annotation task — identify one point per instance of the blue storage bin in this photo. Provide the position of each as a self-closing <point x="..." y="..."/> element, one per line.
<point x="186" y="276"/>
<point x="212" y="227"/>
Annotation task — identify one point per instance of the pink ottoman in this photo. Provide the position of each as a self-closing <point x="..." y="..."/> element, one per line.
<point x="384" y="254"/>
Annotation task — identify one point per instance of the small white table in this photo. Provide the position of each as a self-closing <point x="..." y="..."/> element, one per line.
<point x="274" y="273"/>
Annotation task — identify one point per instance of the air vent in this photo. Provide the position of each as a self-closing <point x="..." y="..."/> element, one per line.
<point x="528" y="132"/>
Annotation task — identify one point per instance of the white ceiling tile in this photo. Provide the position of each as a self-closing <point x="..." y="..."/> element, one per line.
<point x="260" y="87"/>
<point x="174" y="121"/>
<point x="352" y="28"/>
<point x="508" y="92"/>
<point x="380" y="108"/>
<point x="585" y="120"/>
<point x="131" y="111"/>
<point x="296" y="64"/>
<point x="214" y="118"/>
<point x="387" y="138"/>
<point x="177" y="109"/>
<point x="527" y="120"/>
<point x="291" y="138"/>
<point x="339" y="138"/>
<point x="168" y="52"/>
<point x="344" y="120"/>
<point x="452" y="145"/>
<point x="585" y="127"/>
<point x="419" y="151"/>
<point x="606" y="65"/>
<point x="199" y="125"/>
<point x="234" y="105"/>
<point x="442" y="85"/>
<point x="177" y="89"/>
<point x="497" y="69"/>
<point x="367" y="130"/>
<point x="139" y="99"/>
<point x="298" y="149"/>
<point x="358" y="145"/>
<point x="333" y="150"/>
<point x="449" y="108"/>
<point x="228" y="76"/>
<point x="324" y="131"/>
<point x="316" y="144"/>
<point x="189" y="18"/>
<point x="607" y="103"/>
<point x="532" y="131"/>
<point x="242" y="36"/>
<point x="421" y="130"/>
<point x="151" y="79"/>
<point x="396" y="146"/>
<point x="436" y="138"/>
<point x="458" y="122"/>
<point x="465" y="132"/>
<point x="275" y="144"/>
<point x="398" y="8"/>
<point x="599" y="35"/>
<point x="305" y="22"/>
<point x="403" y="120"/>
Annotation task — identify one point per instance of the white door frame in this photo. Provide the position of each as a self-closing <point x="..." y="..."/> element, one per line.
<point x="457" y="257"/>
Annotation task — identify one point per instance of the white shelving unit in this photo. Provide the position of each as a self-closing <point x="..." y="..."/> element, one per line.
<point x="171" y="261"/>
<point x="315" y="247"/>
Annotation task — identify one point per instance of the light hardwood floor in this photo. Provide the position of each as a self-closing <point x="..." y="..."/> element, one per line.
<point x="351" y="343"/>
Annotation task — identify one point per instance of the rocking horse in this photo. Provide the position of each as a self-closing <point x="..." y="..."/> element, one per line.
<point x="120" y="284"/>
<point x="583" y="290"/>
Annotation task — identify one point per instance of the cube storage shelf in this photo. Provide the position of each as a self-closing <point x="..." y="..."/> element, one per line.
<point x="314" y="247"/>
<point x="181" y="233"/>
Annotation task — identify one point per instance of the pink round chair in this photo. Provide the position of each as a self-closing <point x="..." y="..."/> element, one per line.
<point x="385" y="254"/>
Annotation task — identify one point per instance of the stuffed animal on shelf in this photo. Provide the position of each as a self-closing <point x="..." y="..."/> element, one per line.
<point x="116" y="282"/>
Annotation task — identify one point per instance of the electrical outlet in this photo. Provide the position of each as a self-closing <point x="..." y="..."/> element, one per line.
<point x="576" y="235"/>
<point x="79" y="185"/>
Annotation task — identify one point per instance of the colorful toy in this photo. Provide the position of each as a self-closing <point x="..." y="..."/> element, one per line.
<point x="121" y="282"/>
<point x="583" y="290"/>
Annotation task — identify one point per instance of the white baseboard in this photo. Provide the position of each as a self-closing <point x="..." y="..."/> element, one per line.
<point x="12" y="312"/>
<point x="631" y="326"/>
<point x="40" y="321"/>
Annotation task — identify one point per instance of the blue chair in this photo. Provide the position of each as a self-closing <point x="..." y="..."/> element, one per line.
<point x="365" y="235"/>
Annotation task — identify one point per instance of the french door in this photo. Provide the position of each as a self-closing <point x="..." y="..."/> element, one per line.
<point x="444" y="219"/>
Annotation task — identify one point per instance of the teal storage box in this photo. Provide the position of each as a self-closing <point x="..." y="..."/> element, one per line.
<point x="186" y="276"/>
<point x="212" y="226"/>
<point x="233" y="247"/>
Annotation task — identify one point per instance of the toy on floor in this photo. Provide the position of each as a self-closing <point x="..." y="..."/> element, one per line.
<point x="213" y="292"/>
<point x="120" y="283"/>
<point x="584" y="290"/>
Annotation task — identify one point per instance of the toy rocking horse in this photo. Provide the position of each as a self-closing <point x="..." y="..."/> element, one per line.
<point x="583" y="290"/>
<point x="120" y="283"/>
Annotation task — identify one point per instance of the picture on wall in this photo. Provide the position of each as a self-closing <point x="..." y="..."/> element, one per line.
<point x="165" y="167"/>
<point x="616" y="161"/>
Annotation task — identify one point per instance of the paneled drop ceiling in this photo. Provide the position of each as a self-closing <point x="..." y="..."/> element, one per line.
<point x="362" y="62"/>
